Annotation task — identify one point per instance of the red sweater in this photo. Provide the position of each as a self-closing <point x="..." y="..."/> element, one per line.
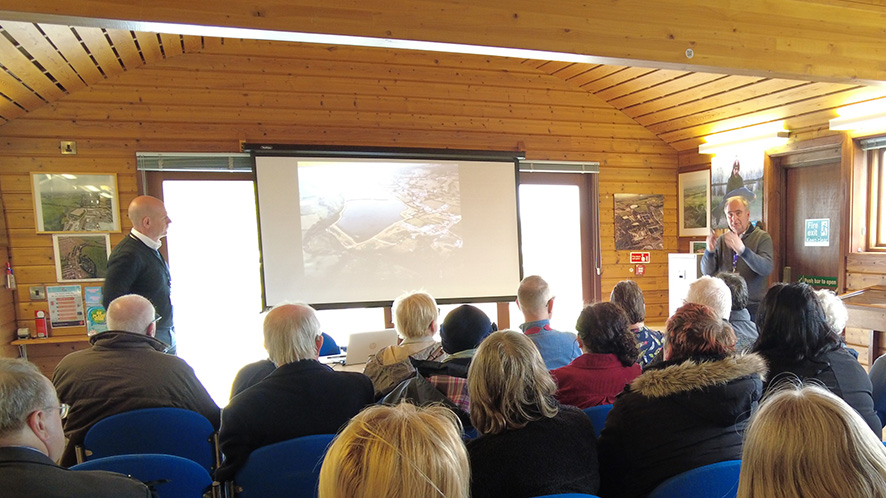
<point x="593" y="379"/>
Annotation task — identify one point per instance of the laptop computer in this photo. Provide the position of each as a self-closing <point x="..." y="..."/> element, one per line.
<point x="363" y="344"/>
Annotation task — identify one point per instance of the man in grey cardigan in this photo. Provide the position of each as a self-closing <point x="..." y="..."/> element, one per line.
<point x="744" y="249"/>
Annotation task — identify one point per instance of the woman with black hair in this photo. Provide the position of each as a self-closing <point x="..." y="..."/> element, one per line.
<point x="609" y="361"/>
<point x="797" y="343"/>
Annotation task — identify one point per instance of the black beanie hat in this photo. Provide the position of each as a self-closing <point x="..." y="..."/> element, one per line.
<point x="464" y="328"/>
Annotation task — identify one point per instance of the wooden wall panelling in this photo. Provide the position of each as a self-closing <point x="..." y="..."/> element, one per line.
<point x="36" y="44"/>
<point x="763" y="38"/>
<point x="352" y="97"/>
<point x="75" y="54"/>
<point x="7" y="297"/>
<point x="653" y="111"/>
<point x="16" y="63"/>
<point x="99" y="46"/>
<point x="864" y="270"/>
<point x="149" y="46"/>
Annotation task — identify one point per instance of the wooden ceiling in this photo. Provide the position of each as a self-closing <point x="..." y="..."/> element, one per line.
<point x="41" y="63"/>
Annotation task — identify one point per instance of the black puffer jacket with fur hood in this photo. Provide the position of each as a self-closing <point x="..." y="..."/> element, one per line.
<point x="676" y="416"/>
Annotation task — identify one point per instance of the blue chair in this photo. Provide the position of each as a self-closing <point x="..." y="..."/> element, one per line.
<point x="284" y="469"/>
<point x="329" y="346"/>
<point x="598" y="415"/>
<point x="717" y="480"/>
<point x="171" y="476"/>
<point x="168" y="431"/>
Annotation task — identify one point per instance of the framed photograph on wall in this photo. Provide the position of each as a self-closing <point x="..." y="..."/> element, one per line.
<point x="74" y="202"/>
<point x="81" y="257"/>
<point x="697" y="246"/>
<point x="694" y="192"/>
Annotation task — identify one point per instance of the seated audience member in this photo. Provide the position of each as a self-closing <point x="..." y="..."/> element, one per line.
<point x="836" y="314"/>
<point x="32" y="439"/>
<point x="529" y="445"/>
<point x="536" y="302"/>
<point x="415" y="318"/>
<point x="686" y="412"/>
<point x="878" y="388"/>
<point x="300" y="398"/>
<point x="126" y="369"/>
<point x="713" y="293"/>
<point x="805" y="442"/>
<point x="745" y="328"/>
<point x="397" y="452"/>
<point x="255" y="372"/>
<point x="798" y="343"/>
<point x="445" y="381"/>
<point x="608" y="363"/>
<point x="627" y="295"/>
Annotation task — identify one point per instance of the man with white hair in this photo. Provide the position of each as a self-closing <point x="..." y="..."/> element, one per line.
<point x="125" y="370"/>
<point x="135" y="266"/>
<point x="536" y="301"/>
<point x="32" y="439"/>
<point x="301" y="397"/>
<point x="744" y="249"/>
<point x="713" y="293"/>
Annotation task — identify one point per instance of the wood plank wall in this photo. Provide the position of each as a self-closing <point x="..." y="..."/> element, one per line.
<point x="254" y="91"/>
<point x="7" y="303"/>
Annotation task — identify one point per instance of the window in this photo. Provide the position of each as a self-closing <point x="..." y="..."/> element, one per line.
<point x="876" y="219"/>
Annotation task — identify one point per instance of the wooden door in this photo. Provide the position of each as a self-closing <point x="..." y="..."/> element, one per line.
<point x="812" y="193"/>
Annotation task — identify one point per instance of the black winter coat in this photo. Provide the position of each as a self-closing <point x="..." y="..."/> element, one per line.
<point x="676" y="416"/>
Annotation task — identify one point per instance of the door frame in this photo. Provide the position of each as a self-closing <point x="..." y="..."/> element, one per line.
<point x="824" y="150"/>
<point x="589" y="220"/>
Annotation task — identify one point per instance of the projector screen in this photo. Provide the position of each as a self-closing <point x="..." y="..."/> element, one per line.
<point x="337" y="232"/>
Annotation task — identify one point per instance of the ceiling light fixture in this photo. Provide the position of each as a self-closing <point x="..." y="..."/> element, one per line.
<point x="762" y="137"/>
<point x="866" y="116"/>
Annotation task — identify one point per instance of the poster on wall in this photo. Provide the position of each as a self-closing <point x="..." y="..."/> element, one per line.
<point x="81" y="257"/>
<point x="68" y="202"/>
<point x="65" y="306"/>
<point x="639" y="222"/>
<point x="694" y="203"/>
<point x="734" y="174"/>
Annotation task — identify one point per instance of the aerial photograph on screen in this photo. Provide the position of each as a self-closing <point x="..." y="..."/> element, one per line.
<point x="388" y="219"/>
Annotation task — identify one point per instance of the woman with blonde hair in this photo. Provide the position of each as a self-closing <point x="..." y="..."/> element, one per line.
<point x="529" y="445"/>
<point x="400" y="451"/>
<point x="806" y="442"/>
<point x="416" y="320"/>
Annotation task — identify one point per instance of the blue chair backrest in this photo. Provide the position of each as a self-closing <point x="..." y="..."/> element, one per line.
<point x="186" y="478"/>
<point x="284" y="469"/>
<point x="717" y="480"/>
<point x="329" y="346"/>
<point x="598" y="415"/>
<point x="170" y="431"/>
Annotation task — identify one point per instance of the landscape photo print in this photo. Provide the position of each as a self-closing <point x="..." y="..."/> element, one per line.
<point x="639" y="222"/>
<point x="74" y="202"/>
<point x="81" y="257"/>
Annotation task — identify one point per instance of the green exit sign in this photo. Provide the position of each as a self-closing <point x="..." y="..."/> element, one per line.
<point x="829" y="282"/>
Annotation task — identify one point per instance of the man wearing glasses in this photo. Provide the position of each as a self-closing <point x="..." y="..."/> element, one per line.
<point x="743" y="249"/>
<point x="31" y="440"/>
<point x="125" y="370"/>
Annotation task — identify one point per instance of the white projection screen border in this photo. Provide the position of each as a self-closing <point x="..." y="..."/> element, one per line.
<point x="359" y="228"/>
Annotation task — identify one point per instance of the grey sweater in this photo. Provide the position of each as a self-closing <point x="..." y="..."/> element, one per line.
<point x="754" y="264"/>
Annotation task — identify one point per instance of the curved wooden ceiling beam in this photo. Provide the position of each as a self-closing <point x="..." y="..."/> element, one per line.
<point x="814" y="40"/>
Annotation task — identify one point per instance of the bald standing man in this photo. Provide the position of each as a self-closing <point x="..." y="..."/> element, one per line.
<point x="136" y="266"/>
